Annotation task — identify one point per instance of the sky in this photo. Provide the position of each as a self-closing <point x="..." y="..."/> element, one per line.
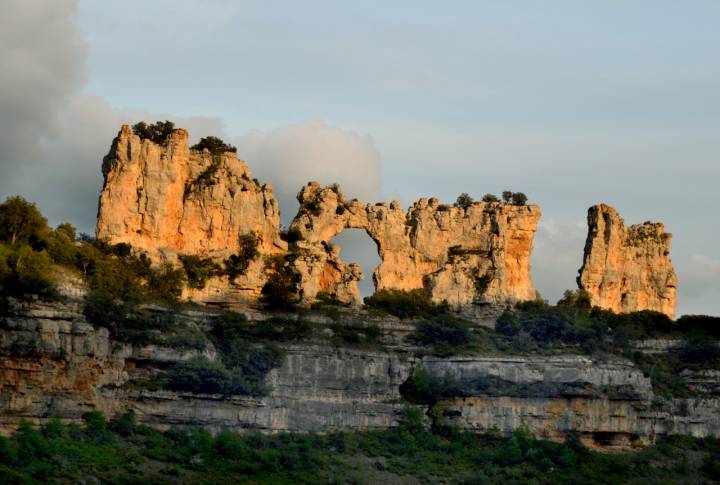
<point x="573" y="103"/>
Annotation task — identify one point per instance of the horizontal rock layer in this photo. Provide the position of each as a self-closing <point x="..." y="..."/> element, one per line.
<point x="52" y="363"/>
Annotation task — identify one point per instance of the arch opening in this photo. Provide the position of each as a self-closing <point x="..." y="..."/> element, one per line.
<point x="356" y="246"/>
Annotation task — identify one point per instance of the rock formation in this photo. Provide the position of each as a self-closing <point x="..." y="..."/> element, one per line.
<point x="170" y="199"/>
<point x="627" y="269"/>
<point x="459" y="255"/>
<point x="54" y="364"/>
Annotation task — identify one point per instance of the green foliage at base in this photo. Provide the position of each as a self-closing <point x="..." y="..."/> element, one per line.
<point x="247" y="352"/>
<point x="122" y="451"/>
<point x="405" y="304"/>
<point x="136" y="324"/>
<point x="572" y="324"/>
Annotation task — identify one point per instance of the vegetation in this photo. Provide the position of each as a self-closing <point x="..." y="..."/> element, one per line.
<point x="355" y="335"/>
<point x="214" y="145"/>
<point x="490" y="198"/>
<point x="237" y="264"/>
<point x="464" y="201"/>
<point x="292" y="235"/>
<point x="158" y="132"/>
<point x="572" y="323"/>
<point x="446" y="333"/>
<point x="198" y="270"/>
<point x="514" y="198"/>
<point x="280" y="291"/>
<point x="247" y="353"/>
<point x="405" y="304"/>
<point x="122" y="451"/>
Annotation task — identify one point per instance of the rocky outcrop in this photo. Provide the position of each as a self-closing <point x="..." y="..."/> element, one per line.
<point x="609" y="403"/>
<point x="54" y="364"/>
<point x="458" y="254"/>
<point x="627" y="269"/>
<point x="170" y="199"/>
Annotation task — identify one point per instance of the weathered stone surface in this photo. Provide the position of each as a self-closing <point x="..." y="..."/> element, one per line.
<point x="53" y="363"/>
<point x="460" y="255"/>
<point x="170" y="199"/>
<point x="627" y="269"/>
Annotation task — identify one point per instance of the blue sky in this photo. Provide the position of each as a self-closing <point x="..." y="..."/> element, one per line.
<point x="573" y="103"/>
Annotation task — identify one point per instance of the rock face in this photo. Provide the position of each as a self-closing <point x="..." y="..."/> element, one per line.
<point x="170" y="199"/>
<point x="459" y="255"/>
<point x="627" y="269"/>
<point x="53" y="363"/>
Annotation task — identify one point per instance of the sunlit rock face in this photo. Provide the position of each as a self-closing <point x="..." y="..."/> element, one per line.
<point x="459" y="255"/>
<point x="170" y="199"/>
<point x="627" y="269"/>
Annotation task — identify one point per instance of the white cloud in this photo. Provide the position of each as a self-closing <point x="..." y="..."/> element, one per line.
<point x="291" y="156"/>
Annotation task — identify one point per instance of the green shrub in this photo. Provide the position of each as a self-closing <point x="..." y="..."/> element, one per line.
<point x="514" y="198"/>
<point x="280" y="292"/>
<point x="518" y="198"/>
<point x="464" y="201"/>
<point x="405" y="304"/>
<point x="198" y="270"/>
<point x="158" y="132"/>
<point x="214" y="144"/>
<point x="166" y="282"/>
<point x="231" y="325"/>
<point x="444" y="331"/>
<point x="490" y="198"/>
<point x="25" y="271"/>
<point x="200" y="375"/>
<point x="702" y="324"/>
<point x="423" y="388"/>
<point x="361" y="335"/>
<point x="291" y="235"/>
<point x="237" y="264"/>
<point x="22" y="223"/>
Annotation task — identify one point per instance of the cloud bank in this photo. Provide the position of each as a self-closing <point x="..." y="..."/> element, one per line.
<point x="291" y="156"/>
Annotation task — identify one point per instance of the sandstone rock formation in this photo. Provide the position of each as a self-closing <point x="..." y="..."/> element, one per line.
<point x="627" y="269"/>
<point x="170" y="199"/>
<point x="459" y="255"/>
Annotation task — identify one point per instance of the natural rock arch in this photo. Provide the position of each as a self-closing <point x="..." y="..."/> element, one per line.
<point x="459" y="255"/>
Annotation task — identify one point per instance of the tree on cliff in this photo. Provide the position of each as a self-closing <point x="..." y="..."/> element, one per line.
<point x="157" y="132"/>
<point x="214" y="144"/>
<point x="21" y="222"/>
<point x="518" y="198"/>
<point x="464" y="200"/>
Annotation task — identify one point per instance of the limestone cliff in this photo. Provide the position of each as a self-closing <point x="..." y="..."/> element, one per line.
<point x="54" y="364"/>
<point x="627" y="269"/>
<point x="460" y="255"/>
<point x="170" y="199"/>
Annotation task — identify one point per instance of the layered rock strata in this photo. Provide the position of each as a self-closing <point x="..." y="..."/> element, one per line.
<point x="52" y="363"/>
<point x="170" y="199"/>
<point x="458" y="254"/>
<point x="627" y="269"/>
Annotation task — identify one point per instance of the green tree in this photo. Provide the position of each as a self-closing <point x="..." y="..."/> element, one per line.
<point x="214" y="145"/>
<point x="464" y="200"/>
<point x="518" y="198"/>
<point x="507" y="196"/>
<point x="490" y="198"/>
<point x="158" y="132"/>
<point x="21" y="222"/>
